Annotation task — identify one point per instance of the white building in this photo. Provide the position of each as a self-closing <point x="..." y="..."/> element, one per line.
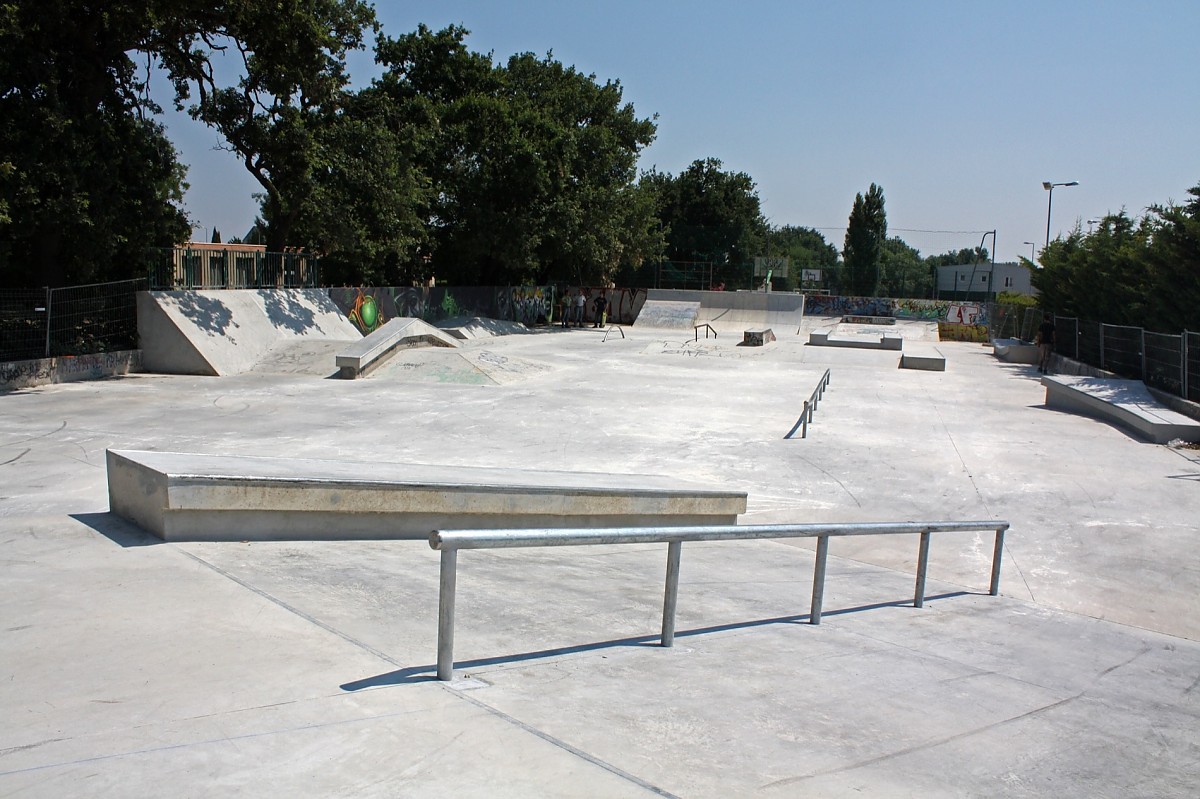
<point x="982" y="281"/>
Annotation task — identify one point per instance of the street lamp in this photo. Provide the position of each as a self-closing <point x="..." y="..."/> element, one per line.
<point x="1031" y="248"/>
<point x="1048" y="186"/>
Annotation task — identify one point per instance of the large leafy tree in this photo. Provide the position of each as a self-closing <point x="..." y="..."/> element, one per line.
<point x="290" y="60"/>
<point x="710" y="215"/>
<point x="807" y="249"/>
<point x="88" y="180"/>
<point x="866" y="233"/>
<point x="903" y="273"/>
<point x="531" y="164"/>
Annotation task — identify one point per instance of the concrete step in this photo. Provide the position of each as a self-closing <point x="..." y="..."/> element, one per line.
<point x="193" y="497"/>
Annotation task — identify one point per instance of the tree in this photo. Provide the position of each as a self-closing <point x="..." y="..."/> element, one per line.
<point x="292" y="83"/>
<point x="532" y="163"/>
<point x="88" y="180"/>
<point x="866" y="232"/>
<point x="710" y="215"/>
<point x="903" y="273"/>
<point x="1173" y="265"/>
<point x="806" y="248"/>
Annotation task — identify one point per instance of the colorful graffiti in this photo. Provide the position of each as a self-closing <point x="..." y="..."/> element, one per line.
<point x="68" y="368"/>
<point x="930" y="310"/>
<point x="953" y="331"/>
<point x="365" y="313"/>
<point x="830" y="305"/>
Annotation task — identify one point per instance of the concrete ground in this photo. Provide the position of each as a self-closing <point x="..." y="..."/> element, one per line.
<point x="130" y="667"/>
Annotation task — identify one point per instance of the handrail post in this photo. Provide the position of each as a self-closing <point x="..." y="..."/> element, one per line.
<point x="671" y="592"/>
<point x="818" y="591"/>
<point x="445" y="655"/>
<point x="804" y="422"/>
<point x="922" y="567"/>
<point x="997" y="553"/>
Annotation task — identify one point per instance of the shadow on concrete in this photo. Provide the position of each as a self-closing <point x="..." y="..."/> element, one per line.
<point x="427" y="673"/>
<point x="116" y="529"/>
<point x="207" y="313"/>
<point x="284" y="311"/>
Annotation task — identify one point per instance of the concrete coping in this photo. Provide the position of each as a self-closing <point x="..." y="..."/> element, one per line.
<point x="1126" y="402"/>
<point x="195" y="497"/>
<point x="374" y="349"/>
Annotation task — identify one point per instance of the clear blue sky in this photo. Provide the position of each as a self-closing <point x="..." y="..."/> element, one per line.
<point x="959" y="110"/>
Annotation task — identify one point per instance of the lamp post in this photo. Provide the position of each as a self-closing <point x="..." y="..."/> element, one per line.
<point x="1031" y="248"/>
<point x="1048" y="186"/>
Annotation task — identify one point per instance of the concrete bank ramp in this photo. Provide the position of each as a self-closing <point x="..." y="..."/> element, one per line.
<point x="729" y="311"/>
<point x="236" y="331"/>
<point x="477" y="367"/>
<point x="469" y="328"/>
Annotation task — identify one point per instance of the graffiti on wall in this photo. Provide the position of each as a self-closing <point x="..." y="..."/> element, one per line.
<point x="528" y="304"/>
<point x="931" y="310"/>
<point x="953" y="331"/>
<point x="66" y="369"/>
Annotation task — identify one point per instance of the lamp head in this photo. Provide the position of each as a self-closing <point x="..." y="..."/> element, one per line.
<point x="1046" y="185"/>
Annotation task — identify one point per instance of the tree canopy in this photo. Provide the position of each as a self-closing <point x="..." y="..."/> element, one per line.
<point x="866" y="232"/>
<point x="709" y="215"/>
<point x="1140" y="272"/>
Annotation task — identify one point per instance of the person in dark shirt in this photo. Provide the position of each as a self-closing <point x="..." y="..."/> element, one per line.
<point x="600" y="304"/>
<point x="1045" y="340"/>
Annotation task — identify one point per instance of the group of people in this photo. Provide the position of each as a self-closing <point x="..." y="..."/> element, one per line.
<point x="572" y="306"/>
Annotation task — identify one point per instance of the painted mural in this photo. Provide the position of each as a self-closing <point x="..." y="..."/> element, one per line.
<point x="370" y="307"/>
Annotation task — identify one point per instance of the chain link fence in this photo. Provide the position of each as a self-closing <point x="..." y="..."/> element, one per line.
<point x="1168" y="362"/>
<point x="75" y="320"/>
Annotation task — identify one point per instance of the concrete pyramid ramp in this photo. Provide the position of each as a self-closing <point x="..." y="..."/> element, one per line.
<point x="230" y="332"/>
<point x="728" y="311"/>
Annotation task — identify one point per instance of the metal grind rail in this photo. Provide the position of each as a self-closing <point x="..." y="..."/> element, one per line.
<point x="810" y="405"/>
<point x="448" y="542"/>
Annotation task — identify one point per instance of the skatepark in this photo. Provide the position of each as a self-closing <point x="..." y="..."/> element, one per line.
<point x="304" y="665"/>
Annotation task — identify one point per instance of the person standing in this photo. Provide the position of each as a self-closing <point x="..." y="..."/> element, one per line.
<point x="600" y="305"/>
<point x="564" y="308"/>
<point x="1045" y="340"/>
<point x="580" y="302"/>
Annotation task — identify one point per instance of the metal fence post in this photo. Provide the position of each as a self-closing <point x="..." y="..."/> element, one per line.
<point x="671" y="592"/>
<point x="922" y="567"/>
<point x="1142" y="330"/>
<point x="445" y="653"/>
<point x="818" y="591"/>
<point x="49" y="299"/>
<point x="1101" y="345"/>
<point x="1183" y="364"/>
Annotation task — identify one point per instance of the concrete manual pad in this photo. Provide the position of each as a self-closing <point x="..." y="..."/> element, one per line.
<point x="137" y="667"/>
<point x="1126" y="402"/>
<point x="194" y="497"/>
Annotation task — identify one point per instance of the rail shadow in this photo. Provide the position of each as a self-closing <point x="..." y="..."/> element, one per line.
<point x="427" y="673"/>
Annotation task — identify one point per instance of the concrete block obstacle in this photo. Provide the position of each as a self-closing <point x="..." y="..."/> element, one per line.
<point x="1128" y="403"/>
<point x="819" y="338"/>
<point x="757" y="338"/>
<point x="193" y="497"/>
<point x="373" y="350"/>
<point x="1014" y="350"/>
<point x="869" y="320"/>
<point x="925" y="358"/>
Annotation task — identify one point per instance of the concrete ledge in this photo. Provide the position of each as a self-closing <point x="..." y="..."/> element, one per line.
<point x="757" y="338"/>
<point x="929" y="359"/>
<point x="193" y="497"/>
<point x="1014" y="350"/>
<point x="822" y="339"/>
<point x="1125" y="402"/>
<point x="869" y="320"/>
<point x="375" y="349"/>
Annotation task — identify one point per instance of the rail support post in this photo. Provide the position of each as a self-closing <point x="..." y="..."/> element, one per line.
<point x="922" y="567"/>
<point x="445" y="653"/>
<point x="997" y="554"/>
<point x="818" y="591"/>
<point x="671" y="592"/>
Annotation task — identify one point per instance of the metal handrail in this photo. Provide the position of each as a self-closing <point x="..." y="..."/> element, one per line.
<point x="448" y="542"/>
<point x="810" y="405"/>
<point x="707" y="329"/>
<point x="610" y="329"/>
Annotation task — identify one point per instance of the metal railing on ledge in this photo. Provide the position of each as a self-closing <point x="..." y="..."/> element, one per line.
<point x="707" y="329"/>
<point x="448" y="542"/>
<point x="810" y="405"/>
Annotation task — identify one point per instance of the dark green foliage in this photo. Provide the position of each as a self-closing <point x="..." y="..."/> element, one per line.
<point x="903" y="273"/>
<point x="1143" y="273"/>
<point x="865" y="235"/>
<point x="87" y="181"/>
<point x="807" y="249"/>
<point x="710" y="215"/>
